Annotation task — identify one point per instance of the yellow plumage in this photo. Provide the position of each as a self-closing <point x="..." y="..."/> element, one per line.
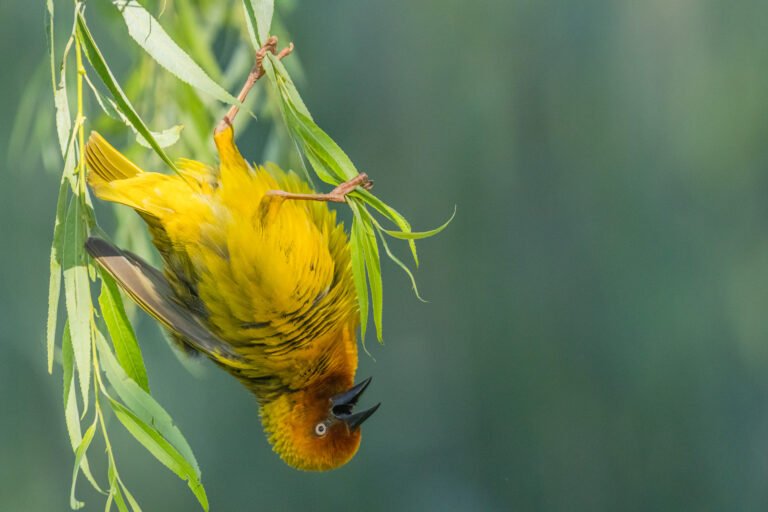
<point x="259" y="283"/>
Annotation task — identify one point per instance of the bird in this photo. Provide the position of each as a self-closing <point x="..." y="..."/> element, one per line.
<point x="256" y="276"/>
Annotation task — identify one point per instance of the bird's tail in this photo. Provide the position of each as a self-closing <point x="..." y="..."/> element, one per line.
<point x="114" y="178"/>
<point x="105" y="163"/>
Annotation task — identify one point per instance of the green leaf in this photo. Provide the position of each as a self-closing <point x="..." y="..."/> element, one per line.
<point x="334" y="160"/>
<point x="96" y="59"/>
<point x="285" y="85"/>
<point x="108" y="106"/>
<point x="50" y="39"/>
<point x="373" y="269"/>
<point x="67" y="365"/>
<point x="357" y="249"/>
<point x="260" y="12"/>
<point x="131" y="500"/>
<point x="57" y="246"/>
<point x="119" y="501"/>
<point x="54" y="282"/>
<point x="60" y="97"/>
<point x="71" y="413"/>
<point x="390" y="213"/>
<point x="142" y="405"/>
<point x="151" y="36"/>
<point x="251" y="23"/>
<point x="77" y="293"/>
<point x="63" y="119"/>
<point x="161" y="449"/>
<point x="319" y="166"/>
<point x="415" y="235"/>
<point x="400" y="264"/>
<point x="164" y="139"/>
<point x="114" y="486"/>
<point x="79" y="454"/>
<point x="120" y="331"/>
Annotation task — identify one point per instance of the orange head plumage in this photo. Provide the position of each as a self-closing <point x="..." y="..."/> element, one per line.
<point x="317" y="429"/>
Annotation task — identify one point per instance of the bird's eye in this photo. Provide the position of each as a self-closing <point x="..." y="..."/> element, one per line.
<point x="321" y="429"/>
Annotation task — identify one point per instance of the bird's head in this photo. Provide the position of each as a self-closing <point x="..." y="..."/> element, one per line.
<point x="316" y="429"/>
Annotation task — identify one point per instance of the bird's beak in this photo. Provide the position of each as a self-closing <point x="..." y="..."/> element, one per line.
<point x="343" y="404"/>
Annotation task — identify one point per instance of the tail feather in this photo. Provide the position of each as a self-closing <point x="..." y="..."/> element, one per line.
<point x="152" y="195"/>
<point x="114" y="178"/>
<point x="105" y="163"/>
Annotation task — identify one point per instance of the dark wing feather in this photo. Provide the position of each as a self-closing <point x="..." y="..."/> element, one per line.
<point x="150" y="289"/>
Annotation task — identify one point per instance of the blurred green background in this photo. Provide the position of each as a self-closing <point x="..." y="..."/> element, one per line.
<point x="595" y="337"/>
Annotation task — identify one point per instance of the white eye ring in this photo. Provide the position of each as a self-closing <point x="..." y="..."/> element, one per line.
<point x="321" y="429"/>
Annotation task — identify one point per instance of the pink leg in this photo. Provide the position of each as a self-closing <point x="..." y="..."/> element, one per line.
<point x="337" y="195"/>
<point x="257" y="72"/>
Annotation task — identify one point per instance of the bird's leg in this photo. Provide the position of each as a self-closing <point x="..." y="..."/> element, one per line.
<point x="256" y="72"/>
<point x="337" y="195"/>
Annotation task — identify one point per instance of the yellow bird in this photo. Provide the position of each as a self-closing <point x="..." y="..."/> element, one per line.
<point x="256" y="276"/>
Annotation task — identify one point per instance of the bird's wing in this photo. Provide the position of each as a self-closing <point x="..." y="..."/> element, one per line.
<point x="149" y="288"/>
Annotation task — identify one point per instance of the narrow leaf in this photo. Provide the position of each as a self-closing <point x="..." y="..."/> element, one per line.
<point x="400" y="264"/>
<point x="120" y="331"/>
<point x="357" y="248"/>
<point x="260" y="12"/>
<point x="54" y="282"/>
<point x="63" y="119"/>
<point x="164" y="139"/>
<point x="143" y="405"/>
<point x="250" y="23"/>
<point x="151" y="36"/>
<point x="57" y="246"/>
<point x="60" y="97"/>
<point x="320" y="167"/>
<point x="71" y="412"/>
<point x="161" y="449"/>
<point x="100" y="66"/>
<point x="119" y="501"/>
<point x="373" y="269"/>
<point x="131" y="500"/>
<point x="286" y="85"/>
<point x="110" y="498"/>
<point x="115" y="492"/>
<point x="415" y="235"/>
<point x="390" y="213"/>
<point x="77" y="294"/>
<point x="67" y="366"/>
<point x="79" y="454"/>
<point x="50" y="39"/>
<point x="336" y="160"/>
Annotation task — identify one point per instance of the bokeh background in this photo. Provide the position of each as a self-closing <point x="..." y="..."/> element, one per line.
<point x="596" y="334"/>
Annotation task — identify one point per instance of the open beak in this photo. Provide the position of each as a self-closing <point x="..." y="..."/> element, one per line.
<point x="343" y="404"/>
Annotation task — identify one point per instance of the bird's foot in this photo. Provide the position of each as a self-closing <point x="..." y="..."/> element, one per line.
<point x="337" y="195"/>
<point x="269" y="46"/>
<point x="361" y="180"/>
